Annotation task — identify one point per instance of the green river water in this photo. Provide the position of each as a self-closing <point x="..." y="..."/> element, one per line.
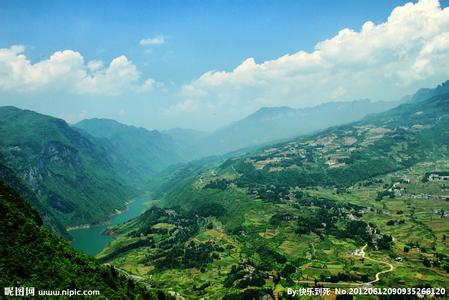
<point x="91" y="240"/>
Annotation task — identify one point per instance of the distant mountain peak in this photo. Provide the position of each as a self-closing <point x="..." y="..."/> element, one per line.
<point x="266" y="109"/>
<point x="104" y="127"/>
<point x="426" y="93"/>
<point x="271" y="112"/>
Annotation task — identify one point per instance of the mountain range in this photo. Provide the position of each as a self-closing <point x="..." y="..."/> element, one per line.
<point x="270" y="124"/>
<point x="248" y="223"/>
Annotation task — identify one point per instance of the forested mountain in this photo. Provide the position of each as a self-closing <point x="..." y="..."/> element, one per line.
<point x="33" y="256"/>
<point x="136" y="153"/>
<point x="270" y="124"/>
<point x="68" y="171"/>
<point x="303" y="211"/>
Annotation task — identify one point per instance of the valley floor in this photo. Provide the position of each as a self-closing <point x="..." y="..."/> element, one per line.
<point x="414" y="213"/>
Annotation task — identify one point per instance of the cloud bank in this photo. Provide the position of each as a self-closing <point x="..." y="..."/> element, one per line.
<point x="381" y="61"/>
<point x="67" y="70"/>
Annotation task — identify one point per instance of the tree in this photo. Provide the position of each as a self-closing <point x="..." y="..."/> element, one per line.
<point x="427" y="262"/>
<point x="288" y="270"/>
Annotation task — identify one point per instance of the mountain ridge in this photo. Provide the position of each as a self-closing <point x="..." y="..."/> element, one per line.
<point x="136" y="152"/>
<point x="269" y="124"/>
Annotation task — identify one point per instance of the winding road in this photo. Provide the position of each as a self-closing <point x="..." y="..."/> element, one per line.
<point x="391" y="267"/>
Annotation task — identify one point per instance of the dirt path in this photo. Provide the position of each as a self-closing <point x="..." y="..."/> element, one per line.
<point x="391" y="269"/>
<point x="360" y="253"/>
<point x="363" y="249"/>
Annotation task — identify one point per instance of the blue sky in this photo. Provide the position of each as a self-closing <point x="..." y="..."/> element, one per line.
<point x="187" y="39"/>
<point x="200" y="35"/>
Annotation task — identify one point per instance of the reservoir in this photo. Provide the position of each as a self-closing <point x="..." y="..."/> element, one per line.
<point x="91" y="240"/>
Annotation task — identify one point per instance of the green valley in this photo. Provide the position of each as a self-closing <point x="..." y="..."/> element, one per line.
<point x="355" y="205"/>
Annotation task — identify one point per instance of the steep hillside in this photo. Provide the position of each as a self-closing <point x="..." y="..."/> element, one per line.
<point x="272" y="124"/>
<point x="7" y="175"/>
<point x="353" y="204"/>
<point x="135" y="152"/>
<point x="33" y="256"/>
<point x="67" y="170"/>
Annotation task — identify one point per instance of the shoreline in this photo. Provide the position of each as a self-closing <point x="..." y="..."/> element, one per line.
<point x="86" y="226"/>
<point x="104" y="223"/>
<point x="115" y="212"/>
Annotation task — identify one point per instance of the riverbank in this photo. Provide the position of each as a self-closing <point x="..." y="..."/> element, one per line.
<point x="92" y="238"/>
<point x="105" y="223"/>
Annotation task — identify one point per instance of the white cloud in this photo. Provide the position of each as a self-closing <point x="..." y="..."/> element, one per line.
<point x="157" y="40"/>
<point x="187" y="105"/>
<point x="67" y="70"/>
<point x="95" y="65"/>
<point x="381" y="61"/>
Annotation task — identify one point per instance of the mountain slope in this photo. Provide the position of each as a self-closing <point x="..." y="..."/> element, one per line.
<point x="135" y="152"/>
<point x="7" y="175"/>
<point x="66" y="170"/>
<point x="33" y="256"/>
<point x="271" y="124"/>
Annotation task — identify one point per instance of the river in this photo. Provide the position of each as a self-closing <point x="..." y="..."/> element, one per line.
<point x="91" y="240"/>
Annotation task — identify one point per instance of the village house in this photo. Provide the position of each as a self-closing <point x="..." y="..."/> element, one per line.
<point x="438" y="177"/>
